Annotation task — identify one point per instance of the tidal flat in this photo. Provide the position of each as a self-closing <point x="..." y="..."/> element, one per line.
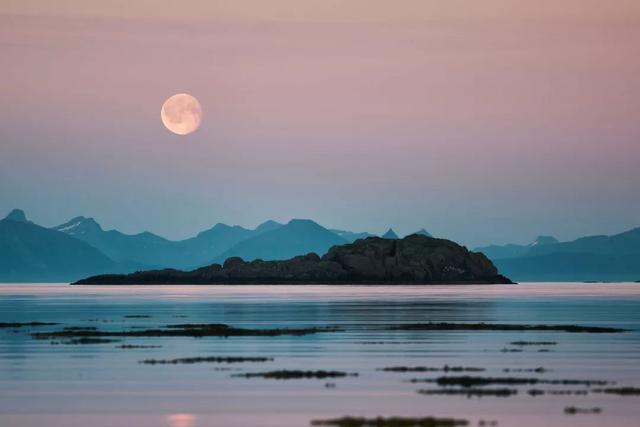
<point x="226" y="366"/>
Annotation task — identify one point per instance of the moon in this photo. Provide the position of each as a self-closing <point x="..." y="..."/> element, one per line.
<point x="181" y="114"/>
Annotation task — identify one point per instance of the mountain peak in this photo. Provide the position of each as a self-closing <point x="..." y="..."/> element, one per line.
<point x="298" y="222"/>
<point x="544" y="240"/>
<point x="221" y="229"/>
<point x="390" y="234"/>
<point x="79" y="225"/>
<point x="220" y="226"/>
<point x="297" y="237"/>
<point x="423" y="232"/>
<point x="267" y="226"/>
<point x="17" y="215"/>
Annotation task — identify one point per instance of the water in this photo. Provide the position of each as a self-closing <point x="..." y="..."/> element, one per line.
<point x="102" y="385"/>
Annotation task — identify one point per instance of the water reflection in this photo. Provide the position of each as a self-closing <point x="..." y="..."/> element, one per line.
<point x="181" y="420"/>
<point x="48" y="383"/>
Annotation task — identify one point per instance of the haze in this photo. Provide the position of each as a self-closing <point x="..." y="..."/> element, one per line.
<point x="483" y="122"/>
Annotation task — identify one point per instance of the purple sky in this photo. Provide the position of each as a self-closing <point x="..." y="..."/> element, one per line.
<point x="484" y="122"/>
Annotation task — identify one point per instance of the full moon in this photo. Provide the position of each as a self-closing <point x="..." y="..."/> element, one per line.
<point x="181" y="114"/>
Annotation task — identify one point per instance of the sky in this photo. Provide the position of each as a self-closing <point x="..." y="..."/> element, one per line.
<point x="483" y="122"/>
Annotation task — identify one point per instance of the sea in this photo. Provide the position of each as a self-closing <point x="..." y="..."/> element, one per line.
<point x="55" y="383"/>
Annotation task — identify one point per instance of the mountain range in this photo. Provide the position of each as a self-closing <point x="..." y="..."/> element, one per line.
<point x="152" y="250"/>
<point x="29" y="252"/>
<point x="298" y="237"/>
<point x="81" y="247"/>
<point x="591" y="258"/>
<point x="415" y="259"/>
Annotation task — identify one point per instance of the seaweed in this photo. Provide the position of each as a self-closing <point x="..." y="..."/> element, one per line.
<point x="568" y="392"/>
<point x="285" y="374"/>
<point x="196" y="325"/>
<point x="444" y="326"/>
<point x="471" y="392"/>
<point x="539" y="370"/>
<point x="213" y="359"/>
<point x="20" y="325"/>
<point x="586" y="383"/>
<point x="537" y="392"/>
<point x="572" y="410"/>
<point x="133" y="346"/>
<point x="445" y="368"/>
<point x="621" y="391"/>
<point x="468" y="381"/>
<point x="185" y="330"/>
<point x="137" y="316"/>
<point x="523" y="343"/>
<point x="391" y="422"/>
<point x="85" y="340"/>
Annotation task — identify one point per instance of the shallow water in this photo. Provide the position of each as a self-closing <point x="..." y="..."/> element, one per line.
<point x="102" y="385"/>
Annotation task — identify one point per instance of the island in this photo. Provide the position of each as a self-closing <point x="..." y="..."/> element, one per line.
<point x="415" y="259"/>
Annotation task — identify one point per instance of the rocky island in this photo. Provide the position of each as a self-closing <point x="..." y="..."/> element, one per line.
<point x="415" y="259"/>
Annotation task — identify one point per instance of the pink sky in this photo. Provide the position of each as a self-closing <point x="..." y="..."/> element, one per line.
<point x="483" y="121"/>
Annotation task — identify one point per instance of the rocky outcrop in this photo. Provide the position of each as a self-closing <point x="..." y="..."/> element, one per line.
<point x="415" y="259"/>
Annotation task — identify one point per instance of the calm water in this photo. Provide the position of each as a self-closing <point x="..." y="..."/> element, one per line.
<point x="102" y="385"/>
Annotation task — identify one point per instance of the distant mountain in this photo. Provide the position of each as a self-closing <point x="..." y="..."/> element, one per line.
<point x="423" y="232"/>
<point x="503" y="251"/>
<point x="593" y="258"/>
<point x="627" y="243"/>
<point x="544" y="240"/>
<point x="199" y="250"/>
<point x="144" y="248"/>
<point x="571" y="267"/>
<point x="390" y="234"/>
<point x="415" y="259"/>
<point x="268" y="225"/>
<point x="512" y="250"/>
<point x="29" y="252"/>
<point x="351" y="236"/>
<point x="155" y="251"/>
<point x="217" y="243"/>
<point x="18" y="215"/>
<point x="298" y="237"/>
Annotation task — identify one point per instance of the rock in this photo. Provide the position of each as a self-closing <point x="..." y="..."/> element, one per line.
<point x="415" y="259"/>
<point x="233" y="262"/>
